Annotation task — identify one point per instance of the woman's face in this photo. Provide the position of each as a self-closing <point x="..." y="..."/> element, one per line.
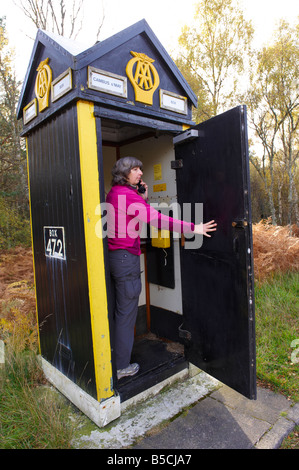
<point x="134" y="176"/>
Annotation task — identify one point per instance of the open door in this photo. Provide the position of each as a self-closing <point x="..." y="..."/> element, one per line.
<point x="217" y="277"/>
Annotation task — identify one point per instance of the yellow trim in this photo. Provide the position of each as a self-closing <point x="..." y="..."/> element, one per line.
<point x="36" y="308"/>
<point x="94" y="249"/>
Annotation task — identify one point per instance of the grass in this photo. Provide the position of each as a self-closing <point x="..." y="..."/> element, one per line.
<point x="292" y="441"/>
<point x="31" y="416"/>
<point x="277" y="307"/>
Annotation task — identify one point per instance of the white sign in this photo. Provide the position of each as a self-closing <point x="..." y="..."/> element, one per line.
<point x="173" y="102"/>
<point x="30" y="111"/>
<point x="61" y="85"/>
<point x="107" y="82"/>
<point x="54" y="242"/>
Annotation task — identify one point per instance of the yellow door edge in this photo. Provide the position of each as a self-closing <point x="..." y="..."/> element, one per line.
<point x="94" y="249"/>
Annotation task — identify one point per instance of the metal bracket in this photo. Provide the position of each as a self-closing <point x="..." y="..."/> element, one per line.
<point x="190" y="134"/>
<point x="176" y="164"/>
<point x="240" y="223"/>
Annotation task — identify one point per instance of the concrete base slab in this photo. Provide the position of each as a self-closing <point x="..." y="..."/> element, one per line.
<point x="100" y="413"/>
<point x="142" y="417"/>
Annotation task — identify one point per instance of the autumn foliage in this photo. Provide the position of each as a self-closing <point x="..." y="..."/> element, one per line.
<point x="17" y="299"/>
<point x="274" y="249"/>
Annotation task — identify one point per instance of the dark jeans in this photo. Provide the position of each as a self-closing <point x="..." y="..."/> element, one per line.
<point x="125" y="271"/>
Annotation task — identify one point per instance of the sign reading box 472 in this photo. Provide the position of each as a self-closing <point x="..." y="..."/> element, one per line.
<point x="54" y="242"/>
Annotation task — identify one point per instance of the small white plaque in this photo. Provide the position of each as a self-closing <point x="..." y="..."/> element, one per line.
<point x="30" y="111"/>
<point x="107" y="82"/>
<point x="61" y="85"/>
<point x="54" y="239"/>
<point x="173" y="102"/>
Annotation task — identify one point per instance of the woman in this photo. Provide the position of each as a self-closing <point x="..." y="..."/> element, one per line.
<point x="126" y="208"/>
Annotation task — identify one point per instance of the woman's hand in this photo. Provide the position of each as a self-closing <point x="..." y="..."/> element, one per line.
<point x="203" y="229"/>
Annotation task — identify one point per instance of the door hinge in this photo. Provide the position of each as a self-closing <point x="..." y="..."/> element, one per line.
<point x="176" y="164"/>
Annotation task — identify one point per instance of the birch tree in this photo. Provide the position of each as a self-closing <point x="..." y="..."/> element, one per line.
<point x="13" y="177"/>
<point x="273" y="100"/>
<point x="213" y="53"/>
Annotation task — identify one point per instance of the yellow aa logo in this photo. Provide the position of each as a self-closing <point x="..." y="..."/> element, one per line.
<point x="43" y="84"/>
<point x="143" y="76"/>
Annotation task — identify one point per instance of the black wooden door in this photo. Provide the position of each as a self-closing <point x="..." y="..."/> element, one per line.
<point x="217" y="277"/>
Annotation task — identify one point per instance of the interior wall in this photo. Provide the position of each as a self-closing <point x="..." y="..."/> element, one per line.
<point x="153" y="152"/>
<point x="109" y="158"/>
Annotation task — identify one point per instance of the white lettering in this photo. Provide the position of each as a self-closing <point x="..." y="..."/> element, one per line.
<point x="117" y="460"/>
<point x="54" y="242"/>
<point x="121" y="226"/>
<point x="171" y="459"/>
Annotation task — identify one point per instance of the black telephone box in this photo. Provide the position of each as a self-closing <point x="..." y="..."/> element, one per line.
<point x="82" y="110"/>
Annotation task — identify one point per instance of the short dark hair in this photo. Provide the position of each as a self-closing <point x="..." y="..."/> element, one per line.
<point x="122" y="168"/>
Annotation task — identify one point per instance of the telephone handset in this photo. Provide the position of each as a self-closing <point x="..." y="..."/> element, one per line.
<point x="141" y="188"/>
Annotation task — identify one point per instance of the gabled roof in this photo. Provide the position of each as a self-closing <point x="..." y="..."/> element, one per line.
<point x="141" y="27"/>
<point x="67" y="47"/>
<point x="76" y="56"/>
